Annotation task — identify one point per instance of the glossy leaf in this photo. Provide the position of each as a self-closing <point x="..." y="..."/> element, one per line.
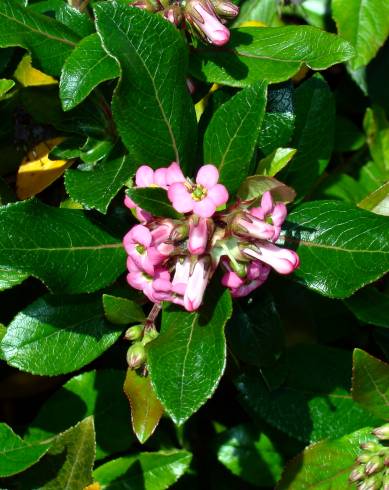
<point x="275" y="162"/>
<point x="314" y="402"/>
<point x="364" y="24"/>
<point x="188" y="358"/>
<point x="370" y="306"/>
<point x="59" y="246"/>
<point x="273" y="54"/>
<point x="145" y="471"/>
<point x="249" y="454"/>
<point x="146" y="409"/>
<point x="86" y="67"/>
<point x="326" y="464"/>
<point x="341" y="248"/>
<point x="370" y="384"/>
<point x="16" y="454"/>
<point x="97" y="393"/>
<point x="313" y="135"/>
<point x="36" y="338"/>
<point x="154" y="200"/>
<point x="122" y="311"/>
<point x="160" y="126"/>
<point x="10" y="277"/>
<point x="96" y="187"/>
<point x="231" y="136"/>
<point x="48" y="41"/>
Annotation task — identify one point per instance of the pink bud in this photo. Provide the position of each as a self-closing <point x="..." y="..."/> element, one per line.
<point x="198" y="235"/>
<point x="197" y="284"/>
<point x="202" y="16"/>
<point x="283" y="260"/>
<point x="249" y="226"/>
<point x="231" y="280"/>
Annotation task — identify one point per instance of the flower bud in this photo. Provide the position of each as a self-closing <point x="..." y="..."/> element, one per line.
<point x="363" y="458"/>
<point x="198" y="235"/>
<point x="375" y="464"/>
<point x="225" y="9"/>
<point x="136" y="356"/>
<point x="134" y="333"/>
<point x="149" y="335"/>
<point x="179" y="232"/>
<point x="201" y="15"/>
<point x="372" y="447"/>
<point x="382" y="432"/>
<point x="371" y="483"/>
<point x="357" y="474"/>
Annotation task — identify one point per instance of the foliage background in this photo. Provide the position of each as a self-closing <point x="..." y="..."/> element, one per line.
<point x="281" y="388"/>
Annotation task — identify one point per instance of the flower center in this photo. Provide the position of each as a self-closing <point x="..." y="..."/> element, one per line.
<point x="140" y="249"/>
<point x="199" y="192"/>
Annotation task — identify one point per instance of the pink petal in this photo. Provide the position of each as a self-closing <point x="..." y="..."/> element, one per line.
<point x="142" y="215"/>
<point x="129" y="203"/>
<point x="174" y="174"/>
<point x="180" y="198"/>
<point x="246" y="289"/>
<point x="144" y="176"/>
<point x="140" y="234"/>
<point x="204" y="208"/>
<point x="257" y="212"/>
<point x="231" y="280"/>
<point x="207" y="176"/>
<point x="198" y="237"/>
<point x="160" y="177"/>
<point x="219" y="194"/>
<point x="211" y="26"/>
<point x="279" y="214"/>
<point x="267" y="203"/>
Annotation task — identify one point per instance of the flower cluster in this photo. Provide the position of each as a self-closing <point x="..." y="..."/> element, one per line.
<point x="206" y="18"/>
<point x="174" y="259"/>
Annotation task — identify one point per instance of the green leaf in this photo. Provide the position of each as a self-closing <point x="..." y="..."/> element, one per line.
<point x="378" y="201"/>
<point x="16" y="454"/>
<point x="370" y="306"/>
<point x="275" y="161"/>
<point x="340" y="186"/>
<point x="255" y="186"/>
<point x="364" y="24"/>
<point x="272" y="54"/>
<point x="10" y="277"/>
<point x="255" y="333"/>
<point x="154" y="200"/>
<point x="59" y="246"/>
<point x="250" y="454"/>
<point x="146" y="409"/>
<point x="97" y="393"/>
<point x="313" y="136"/>
<point x="188" y="358"/>
<point x="348" y="137"/>
<point x="264" y="11"/>
<point x="58" y="334"/>
<point x="314" y="402"/>
<point x="376" y="126"/>
<point x="370" y="384"/>
<point x="341" y="248"/>
<point x="86" y="67"/>
<point x="278" y="122"/>
<point x="48" y="41"/>
<point x="97" y="186"/>
<point x="69" y="462"/>
<point x="325" y="465"/>
<point x="5" y="86"/>
<point x="77" y="20"/>
<point x="151" y="105"/>
<point x="231" y="136"/>
<point x="145" y="471"/>
<point x="122" y="311"/>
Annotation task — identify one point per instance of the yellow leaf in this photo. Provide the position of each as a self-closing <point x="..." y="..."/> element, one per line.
<point x="202" y="103"/>
<point x="252" y="23"/>
<point x="37" y="171"/>
<point x="93" y="486"/>
<point x="31" y="77"/>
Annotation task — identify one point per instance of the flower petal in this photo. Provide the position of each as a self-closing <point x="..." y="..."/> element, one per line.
<point x="141" y="234"/>
<point x="219" y="194"/>
<point x="204" y="208"/>
<point x="180" y="198"/>
<point x="207" y="176"/>
<point x="174" y="174"/>
<point x="144" y="176"/>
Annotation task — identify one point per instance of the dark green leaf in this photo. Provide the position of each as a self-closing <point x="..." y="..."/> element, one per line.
<point x="364" y="24"/>
<point x="98" y="393"/>
<point x="151" y="104"/>
<point x="122" y="311"/>
<point x="348" y="137"/>
<point x="96" y="187"/>
<point x="231" y="137"/>
<point x="314" y="402"/>
<point x="146" y="409"/>
<point x="16" y="454"/>
<point x="370" y="383"/>
<point x="255" y="333"/>
<point x="154" y="200"/>
<point x="340" y="186"/>
<point x="370" y="306"/>
<point x="376" y="126"/>
<point x="325" y="465"/>
<point x="48" y="41"/>
<point x="341" y="248"/>
<point x="249" y="454"/>
<point x="150" y="471"/>
<point x="78" y="21"/>
<point x="58" y="334"/>
<point x="86" y="67"/>
<point x="273" y="54"/>
<point x="313" y="136"/>
<point x="59" y="246"/>
<point x="188" y="358"/>
<point x="10" y="277"/>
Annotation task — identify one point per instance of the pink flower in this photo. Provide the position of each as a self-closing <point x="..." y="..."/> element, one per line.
<point x="203" y="197"/>
<point x="138" y="245"/>
<point x="246" y="225"/>
<point x="271" y="213"/>
<point x="147" y="177"/>
<point x="283" y="260"/>
<point x="231" y="280"/>
<point x="197" y="284"/>
<point x="198" y="235"/>
<point x="181" y="275"/>
<point x="201" y="14"/>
